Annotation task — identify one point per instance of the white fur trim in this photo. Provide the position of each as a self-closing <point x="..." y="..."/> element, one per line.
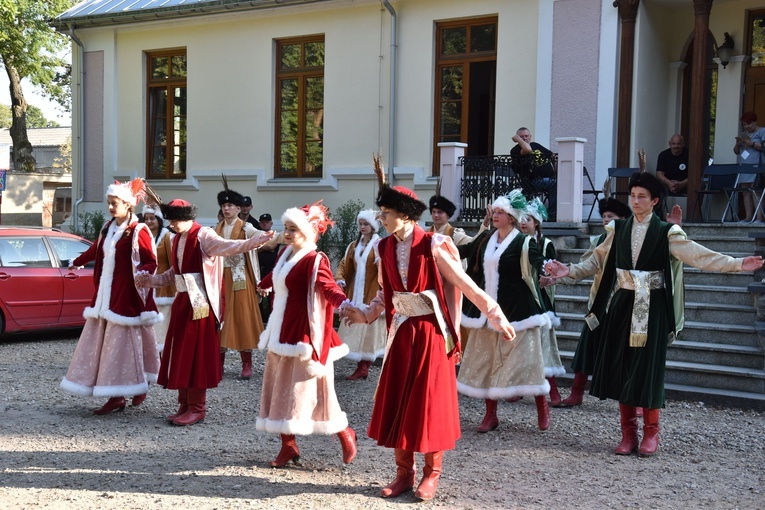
<point x="123" y="192"/>
<point x="316" y="369"/>
<point x="156" y="211"/>
<point x="302" y="427"/>
<point x="504" y="204"/>
<point x="494" y="393"/>
<point x="370" y="216"/>
<point x="491" y="256"/>
<point x="77" y="389"/>
<point x="360" y="258"/>
<point x="355" y="356"/>
<point x="554" y="371"/>
<point x="164" y="301"/>
<point x="301" y="350"/>
<point x="121" y="391"/>
<point x="554" y="319"/>
<point x="535" y="321"/>
<point x="473" y="322"/>
<point x="298" y="217"/>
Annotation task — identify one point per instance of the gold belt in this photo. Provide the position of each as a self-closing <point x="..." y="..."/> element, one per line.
<point x="642" y="283"/>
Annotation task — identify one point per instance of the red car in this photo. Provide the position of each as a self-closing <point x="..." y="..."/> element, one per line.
<point x="37" y="291"/>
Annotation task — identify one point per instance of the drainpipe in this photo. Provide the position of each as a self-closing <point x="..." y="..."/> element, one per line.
<point x="80" y="117"/>
<point x="392" y="114"/>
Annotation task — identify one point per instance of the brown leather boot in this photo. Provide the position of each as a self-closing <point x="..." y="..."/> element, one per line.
<point x="246" y="365"/>
<point x="348" y="442"/>
<point x="543" y="412"/>
<point x="196" y="410"/>
<point x="629" y="430"/>
<point x="113" y="404"/>
<point x="183" y="400"/>
<point x="650" y="442"/>
<point x="430" y="475"/>
<point x="555" y="399"/>
<point x="404" y="480"/>
<point x="288" y="453"/>
<point x="362" y="371"/>
<point x="490" y="421"/>
<point x="577" y="391"/>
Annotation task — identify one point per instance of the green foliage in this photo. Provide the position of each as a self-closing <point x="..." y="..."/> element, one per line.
<point x="32" y="47"/>
<point x="64" y="160"/>
<point x="36" y="118"/>
<point x="90" y="224"/>
<point x="336" y="239"/>
<point x="6" y="117"/>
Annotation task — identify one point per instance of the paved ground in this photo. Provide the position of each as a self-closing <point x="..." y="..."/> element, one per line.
<point x="55" y="454"/>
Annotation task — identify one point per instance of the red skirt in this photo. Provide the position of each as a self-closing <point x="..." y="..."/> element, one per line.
<point x="416" y="406"/>
<point x="191" y="358"/>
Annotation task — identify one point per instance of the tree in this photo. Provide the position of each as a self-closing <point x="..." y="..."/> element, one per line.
<point x="5" y="116"/>
<point x="36" y="118"/>
<point x="29" y="48"/>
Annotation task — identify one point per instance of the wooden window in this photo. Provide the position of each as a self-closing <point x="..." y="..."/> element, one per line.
<point x="299" y="107"/>
<point x="466" y="54"/>
<point x="166" y="115"/>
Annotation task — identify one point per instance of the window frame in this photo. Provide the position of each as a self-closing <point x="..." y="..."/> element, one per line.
<point x="170" y="84"/>
<point x="301" y="74"/>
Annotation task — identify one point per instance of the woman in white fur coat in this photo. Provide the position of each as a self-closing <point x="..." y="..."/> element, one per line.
<point x="298" y="395"/>
<point x="493" y="369"/>
<point x="116" y="355"/>
<point x="357" y="275"/>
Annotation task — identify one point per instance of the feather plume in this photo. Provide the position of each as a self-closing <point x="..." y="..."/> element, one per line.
<point x="137" y="188"/>
<point x="642" y="160"/>
<point x="151" y="196"/>
<point x="379" y="169"/>
<point x="225" y="181"/>
<point x="438" y="186"/>
<point x="607" y="187"/>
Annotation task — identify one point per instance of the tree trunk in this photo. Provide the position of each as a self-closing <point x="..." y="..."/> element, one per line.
<point x="23" y="161"/>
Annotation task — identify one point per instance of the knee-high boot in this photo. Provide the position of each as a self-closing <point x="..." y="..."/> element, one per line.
<point x="554" y="395"/>
<point x="246" y="364"/>
<point x="183" y="401"/>
<point x="490" y="421"/>
<point x="196" y="408"/>
<point x="404" y="480"/>
<point x="650" y="442"/>
<point x="629" y="430"/>
<point x="430" y="475"/>
<point x="362" y="371"/>
<point x="577" y="391"/>
<point x="288" y="453"/>
<point x="543" y="412"/>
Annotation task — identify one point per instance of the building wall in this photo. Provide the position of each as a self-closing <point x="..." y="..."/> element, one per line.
<point x="27" y="195"/>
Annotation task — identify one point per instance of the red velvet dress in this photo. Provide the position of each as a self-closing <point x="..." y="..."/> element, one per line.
<point x="416" y="405"/>
<point x="191" y="355"/>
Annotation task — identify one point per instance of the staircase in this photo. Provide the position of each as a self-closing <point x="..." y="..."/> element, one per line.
<point x="717" y="358"/>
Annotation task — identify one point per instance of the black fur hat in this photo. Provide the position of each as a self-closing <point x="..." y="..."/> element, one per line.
<point x="443" y="203"/>
<point x="650" y="182"/>
<point x="228" y="196"/>
<point x="615" y="206"/>
<point x="179" y="210"/>
<point x="402" y="200"/>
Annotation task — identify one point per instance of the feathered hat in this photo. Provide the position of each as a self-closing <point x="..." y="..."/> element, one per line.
<point x="537" y="210"/>
<point x="615" y="206"/>
<point x="130" y="192"/>
<point x="514" y="204"/>
<point x="177" y="209"/>
<point x="229" y="196"/>
<point x="439" y="201"/>
<point x="398" y="198"/>
<point x="312" y="219"/>
<point x="370" y="216"/>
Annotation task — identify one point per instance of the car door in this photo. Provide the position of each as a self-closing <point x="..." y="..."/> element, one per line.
<point x="77" y="284"/>
<point x="30" y="286"/>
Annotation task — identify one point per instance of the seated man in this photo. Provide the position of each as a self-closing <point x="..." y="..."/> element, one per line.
<point x="535" y="163"/>
<point x="672" y="166"/>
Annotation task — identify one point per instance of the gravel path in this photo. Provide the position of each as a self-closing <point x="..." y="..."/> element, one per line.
<point x="55" y="454"/>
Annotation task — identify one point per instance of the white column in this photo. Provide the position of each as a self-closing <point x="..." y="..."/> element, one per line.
<point x="451" y="172"/>
<point x="570" y="177"/>
<point x="730" y="81"/>
<point x="675" y="99"/>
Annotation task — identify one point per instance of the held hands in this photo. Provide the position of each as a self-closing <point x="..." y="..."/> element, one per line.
<point x="546" y="281"/>
<point x="265" y="237"/>
<point x="352" y="315"/>
<point x="556" y="269"/>
<point x="143" y="280"/>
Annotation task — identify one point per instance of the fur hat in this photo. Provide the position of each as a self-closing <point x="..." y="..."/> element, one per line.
<point x="156" y="211"/>
<point x="130" y="192"/>
<point x="443" y="203"/>
<point x="312" y="219"/>
<point x="228" y="196"/>
<point x="179" y="210"/>
<point x="537" y="210"/>
<point x="402" y="200"/>
<point x="650" y="182"/>
<point x="615" y="206"/>
<point x="514" y="204"/>
<point x="370" y="216"/>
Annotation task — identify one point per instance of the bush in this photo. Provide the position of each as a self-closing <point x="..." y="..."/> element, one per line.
<point x="337" y="238"/>
<point x="90" y="224"/>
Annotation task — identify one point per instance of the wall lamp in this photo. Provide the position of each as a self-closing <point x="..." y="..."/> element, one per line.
<point x="725" y="50"/>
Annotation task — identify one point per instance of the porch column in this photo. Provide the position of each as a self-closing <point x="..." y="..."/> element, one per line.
<point x="451" y="172"/>
<point x="570" y="179"/>
<point x="628" y="10"/>
<point x="675" y="107"/>
<point x="701" y="10"/>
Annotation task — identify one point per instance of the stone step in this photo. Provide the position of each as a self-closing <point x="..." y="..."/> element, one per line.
<point x="705" y="375"/>
<point x="696" y="331"/>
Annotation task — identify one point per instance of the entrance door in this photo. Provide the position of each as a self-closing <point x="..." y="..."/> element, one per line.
<point x="754" y="85"/>
<point x="465" y="85"/>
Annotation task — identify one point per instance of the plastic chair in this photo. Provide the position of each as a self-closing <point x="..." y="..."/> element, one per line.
<point x="595" y="192"/>
<point x="717" y="180"/>
<point x="757" y="189"/>
<point x="620" y="173"/>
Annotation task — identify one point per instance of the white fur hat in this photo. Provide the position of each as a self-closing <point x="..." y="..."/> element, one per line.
<point x="130" y="192"/>
<point x="312" y="219"/>
<point x="156" y="211"/>
<point x="514" y="204"/>
<point x="370" y="216"/>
